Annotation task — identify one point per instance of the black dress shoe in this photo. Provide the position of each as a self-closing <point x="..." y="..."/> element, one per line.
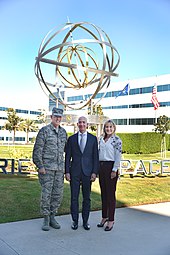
<point x="74" y="225"/>
<point x="86" y="226"/>
<point x="100" y="225"/>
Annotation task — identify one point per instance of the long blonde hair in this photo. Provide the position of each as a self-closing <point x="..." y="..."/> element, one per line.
<point x="108" y="121"/>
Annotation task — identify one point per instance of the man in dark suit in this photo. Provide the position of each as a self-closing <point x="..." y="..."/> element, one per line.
<point x="81" y="167"/>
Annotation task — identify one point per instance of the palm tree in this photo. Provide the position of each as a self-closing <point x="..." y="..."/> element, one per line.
<point x="42" y="118"/>
<point x="28" y="125"/>
<point x="95" y="110"/>
<point x="13" y="122"/>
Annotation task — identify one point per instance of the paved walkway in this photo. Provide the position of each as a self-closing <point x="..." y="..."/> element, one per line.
<point x="139" y="230"/>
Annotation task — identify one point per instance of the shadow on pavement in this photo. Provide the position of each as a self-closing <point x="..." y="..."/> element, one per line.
<point x="139" y="230"/>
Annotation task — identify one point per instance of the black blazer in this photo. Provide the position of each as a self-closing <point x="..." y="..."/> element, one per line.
<point x="76" y="161"/>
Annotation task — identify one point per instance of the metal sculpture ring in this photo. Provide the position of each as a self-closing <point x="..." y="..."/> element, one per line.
<point x="83" y="63"/>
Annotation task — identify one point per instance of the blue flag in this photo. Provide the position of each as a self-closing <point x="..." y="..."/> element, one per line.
<point x="125" y="91"/>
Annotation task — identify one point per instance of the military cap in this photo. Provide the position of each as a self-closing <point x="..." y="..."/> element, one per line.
<point x="57" y="112"/>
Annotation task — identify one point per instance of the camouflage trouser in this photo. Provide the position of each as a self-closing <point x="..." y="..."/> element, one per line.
<point x="52" y="184"/>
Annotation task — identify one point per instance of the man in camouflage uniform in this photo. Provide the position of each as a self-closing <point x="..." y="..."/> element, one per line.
<point x="48" y="156"/>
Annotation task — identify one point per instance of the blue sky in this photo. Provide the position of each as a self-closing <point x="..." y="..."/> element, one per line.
<point x="140" y="30"/>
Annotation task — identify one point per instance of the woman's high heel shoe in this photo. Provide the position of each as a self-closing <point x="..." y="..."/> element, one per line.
<point x="101" y="224"/>
<point x="108" y="228"/>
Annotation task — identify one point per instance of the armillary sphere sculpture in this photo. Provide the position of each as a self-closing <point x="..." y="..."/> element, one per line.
<point x="84" y="64"/>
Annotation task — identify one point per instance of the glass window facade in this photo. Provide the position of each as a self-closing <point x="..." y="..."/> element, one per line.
<point x="162" y="104"/>
<point x="165" y="87"/>
<point x="8" y="138"/>
<point x="35" y="112"/>
<point x="52" y="101"/>
<point x="75" y="98"/>
<point x="120" y="121"/>
<point x="3" y="109"/>
<point x="135" y="91"/>
<point x="21" y="111"/>
<point x="142" y="121"/>
<point x="19" y="139"/>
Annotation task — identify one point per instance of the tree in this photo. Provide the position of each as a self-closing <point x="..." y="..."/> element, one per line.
<point x="162" y="126"/>
<point x="89" y="108"/>
<point x="99" y="110"/>
<point x="13" y="122"/>
<point x="94" y="110"/>
<point x="41" y="119"/>
<point x="28" y="125"/>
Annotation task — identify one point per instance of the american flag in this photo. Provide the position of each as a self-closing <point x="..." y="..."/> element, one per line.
<point x="154" y="99"/>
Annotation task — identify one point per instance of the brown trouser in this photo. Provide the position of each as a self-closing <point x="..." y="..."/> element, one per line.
<point x="108" y="189"/>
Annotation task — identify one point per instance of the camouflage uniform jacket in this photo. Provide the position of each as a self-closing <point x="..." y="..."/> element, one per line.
<point x="49" y="148"/>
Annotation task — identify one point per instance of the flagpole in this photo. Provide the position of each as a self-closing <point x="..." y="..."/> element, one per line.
<point x="128" y="105"/>
<point x="156" y="93"/>
<point x="125" y="91"/>
<point x="158" y="107"/>
<point x="155" y="116"/>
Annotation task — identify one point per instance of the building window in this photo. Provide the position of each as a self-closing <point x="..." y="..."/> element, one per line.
<point x="165" y="87"/>
<point x="144" y="121"/>
<point x="8" y="139"/>
<point x="120" y="121"/>
<point x="151" y="121"/>
<point x="21" y="111"/>
<point x="35" y="112"/>
<point x="108" y="94"/>
<point x="134" y="91"/>
<point x="19" y="139"/>
<point x="3" y="109"/>
<point x="75" y="98"/>
<point x="99" y="95"/>
<point x="162" y="104"/>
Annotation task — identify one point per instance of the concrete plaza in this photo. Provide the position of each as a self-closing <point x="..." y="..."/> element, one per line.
<point x="138" y="230"/>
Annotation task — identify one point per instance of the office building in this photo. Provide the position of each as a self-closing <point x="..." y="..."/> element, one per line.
<point x="6" y="137"/>
<point x="133" y="111"/>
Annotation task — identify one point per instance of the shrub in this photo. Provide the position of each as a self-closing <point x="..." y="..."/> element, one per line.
<point x="146" y="142"/>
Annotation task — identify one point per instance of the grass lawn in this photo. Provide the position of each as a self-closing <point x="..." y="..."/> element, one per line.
<point x="20" y="195"/>
<point x="146" y="156"/>
<point x="12" y="151"/>
<point x="7" y="152"/>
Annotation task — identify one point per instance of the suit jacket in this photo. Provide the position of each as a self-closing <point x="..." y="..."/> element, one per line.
<point x="76" y="161"/>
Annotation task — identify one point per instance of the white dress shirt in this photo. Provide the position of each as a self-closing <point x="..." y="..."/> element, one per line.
<point x="84" y="137"/>
<point x="111" y="151"/>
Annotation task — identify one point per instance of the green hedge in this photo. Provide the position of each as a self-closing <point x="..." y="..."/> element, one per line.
<point x="145" y="142"/>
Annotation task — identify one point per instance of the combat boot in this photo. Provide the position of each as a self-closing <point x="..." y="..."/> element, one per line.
<point x="53" y="222"/>
<point x="45" y="225"/>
